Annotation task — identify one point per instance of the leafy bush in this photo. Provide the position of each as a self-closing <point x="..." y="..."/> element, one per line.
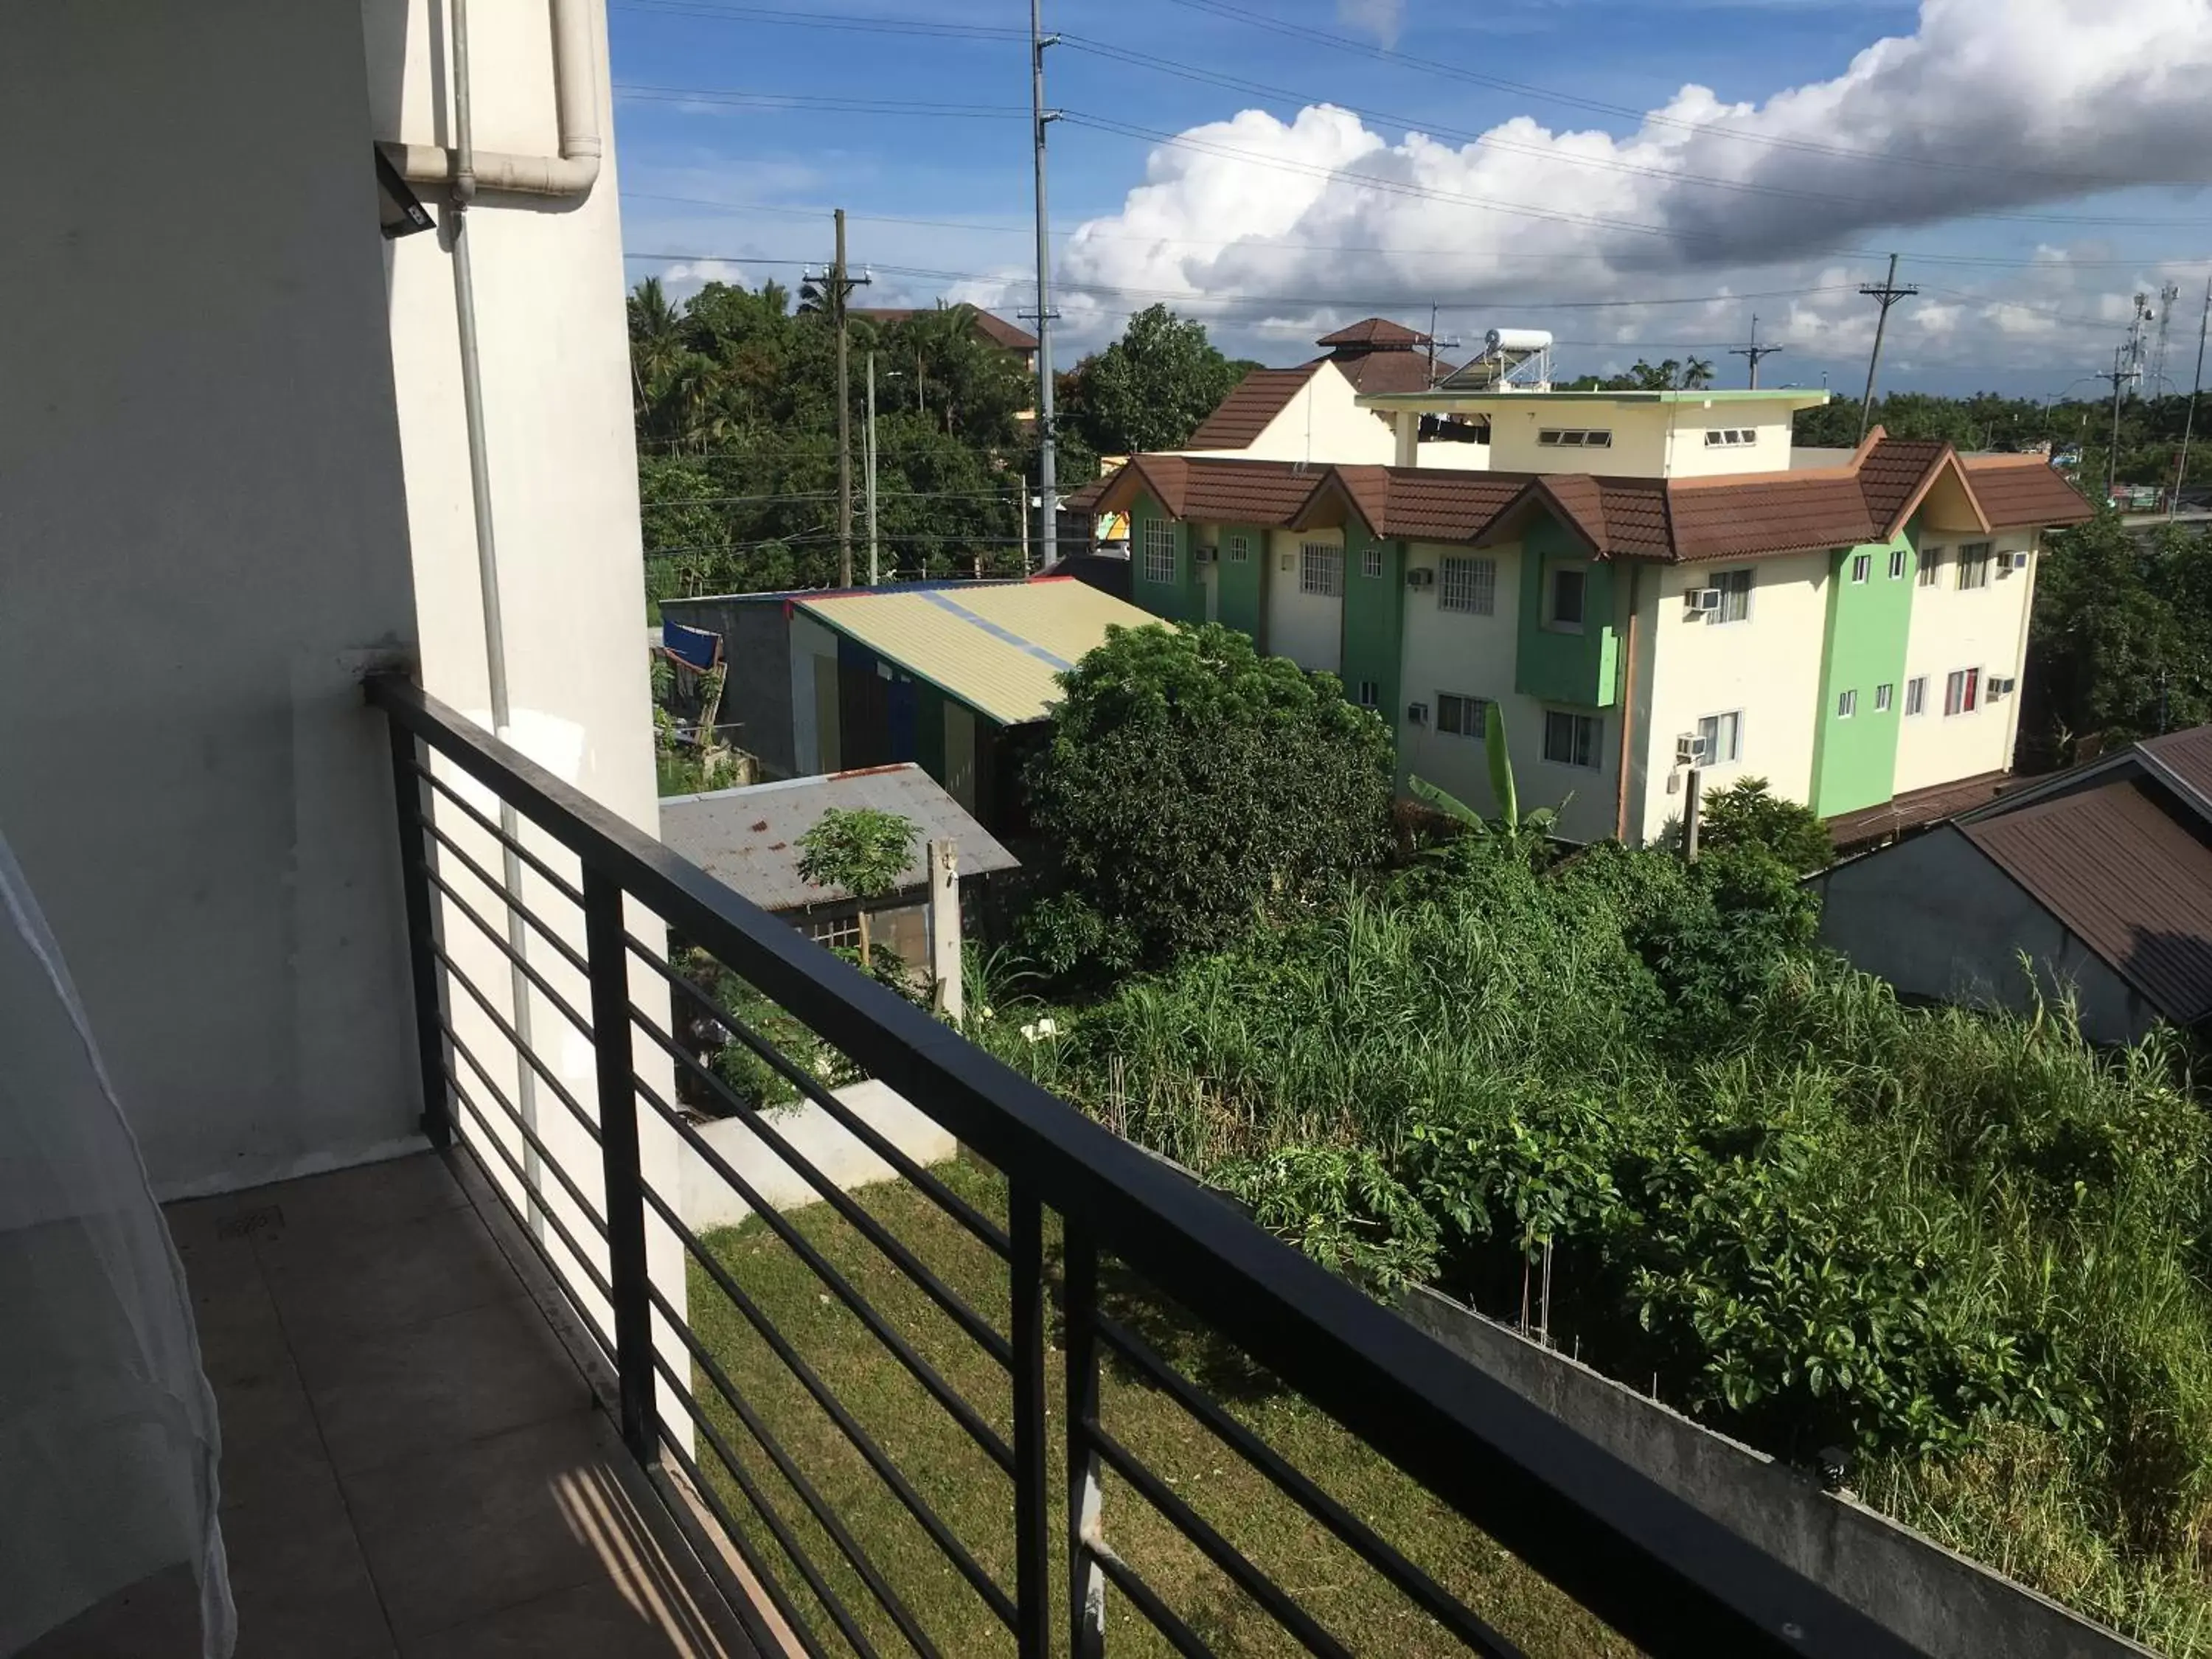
<point x="1747" y="814"/>
<point x="1190" y="784"/>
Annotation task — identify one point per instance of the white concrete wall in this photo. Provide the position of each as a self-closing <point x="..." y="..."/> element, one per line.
<point x="1767" y="665"/>
<point x="203" y="540"/>
<point x="1307" y="627"/>
<point x="1689" y="456"/>
<point x="709" y="1200"/>
<point x="1320" y="424"/>
<point x="1982" y="628"/>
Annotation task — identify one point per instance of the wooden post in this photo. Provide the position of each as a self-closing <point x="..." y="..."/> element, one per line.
<point x="944" y="925"/>
<point x="1691" y="813"/>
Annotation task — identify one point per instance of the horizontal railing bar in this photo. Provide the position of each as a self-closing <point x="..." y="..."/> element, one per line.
<point x="468" y="1053"/>
<point x="530" y="1055"/>
<point x="817" y="1505"/>
<point x="977" y="1328"/>
<point x="1668" y="1577"/>
<point x="1158" y="1614"/>
<point x="568" y="1009"/>
<point x="490" y="827"/>
<point x="514" y="1168"/>
<point x="869" y="1136"/>
<point x="1431" y="1597"/>
<point x="575" y="957"/>
<point x="528" y="1136"/>
<point x="778" y="1529"/>
<point x="942" y="1536"/>
<point x="749" y="1552"/>
<point x="1217" y="1549"/>
<point x="545" y="1256"/>
<point x="924" y="1373"/>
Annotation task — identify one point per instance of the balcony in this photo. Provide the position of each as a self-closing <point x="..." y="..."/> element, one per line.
<point x="503" y="1397"/>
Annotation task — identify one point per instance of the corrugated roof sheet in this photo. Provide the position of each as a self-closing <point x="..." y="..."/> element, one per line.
<point x="748" y="839"/>
<point x="1917" y="807"/>
<point x="2126" y="875"/>
<point x="2023" y="492"/>
<point x="1255" y="400"/>
<point x="2186" y="754"/>
<point x="997" y="646"/>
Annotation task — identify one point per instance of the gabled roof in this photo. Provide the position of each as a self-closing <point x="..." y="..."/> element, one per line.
<point x="1255" y="400"/>
<point x="1677" y="521"/>
<point x="1375" y="331"/>
<point x="1388" y="371"/>
<point x="2017" y="491"/>
<point x="995" y="328"/>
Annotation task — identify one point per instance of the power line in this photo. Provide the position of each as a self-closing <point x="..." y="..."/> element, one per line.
<point x="814" y="20"/>
<point x="737" y="99"/>
<point x="1754" y="351"/>
<point x="1885" y="294"/>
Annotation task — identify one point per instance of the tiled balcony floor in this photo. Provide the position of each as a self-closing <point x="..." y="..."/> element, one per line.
<point x="413" y="1465"/>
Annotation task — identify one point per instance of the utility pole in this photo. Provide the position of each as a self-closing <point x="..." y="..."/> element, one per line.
<point x="2121" y="371"/>
<point x="1887" y="294"/>
<point x="1048" y="461"/>
<point x="844" y="418"/>
<point x="868" y="444"/>
<point x="2189" y="421"/>
<point x="1754" y="351"/>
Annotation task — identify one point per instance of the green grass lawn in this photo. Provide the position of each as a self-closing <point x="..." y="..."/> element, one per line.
<point x="975" y="1498"/>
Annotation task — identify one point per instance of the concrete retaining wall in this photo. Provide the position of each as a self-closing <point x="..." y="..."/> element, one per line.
<point x="1947" y="1606"/>
<point x="705" y="1200"/>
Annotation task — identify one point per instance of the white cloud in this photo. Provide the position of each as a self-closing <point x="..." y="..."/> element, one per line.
<point x="2022" y="107"/>
<point x="1380" y="18"/>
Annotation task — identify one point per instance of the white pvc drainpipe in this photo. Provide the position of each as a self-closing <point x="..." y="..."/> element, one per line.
<point x="576" y="100"/>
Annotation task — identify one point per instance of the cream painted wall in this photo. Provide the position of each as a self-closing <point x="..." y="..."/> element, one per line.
<point x="1307" y="627"/>
<point x="1322" y="424"/>
<point x="1982" y="628"/>
<point x="1649" y="440"/>
<point x="1768" y="666"/>
<point x="1689" y="456"/>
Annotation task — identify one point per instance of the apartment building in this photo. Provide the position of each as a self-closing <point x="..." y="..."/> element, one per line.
<point x="1852" y="632"/>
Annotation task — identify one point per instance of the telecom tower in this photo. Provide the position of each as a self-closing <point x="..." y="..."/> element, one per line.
<point x="2168" y="297"/>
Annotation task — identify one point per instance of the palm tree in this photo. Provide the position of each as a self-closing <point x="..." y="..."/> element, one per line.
<point x="1697" y="374"/>
<point x="656" y="336"/>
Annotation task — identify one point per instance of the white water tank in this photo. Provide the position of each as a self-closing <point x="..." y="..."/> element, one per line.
<point x="1518" y="339"/>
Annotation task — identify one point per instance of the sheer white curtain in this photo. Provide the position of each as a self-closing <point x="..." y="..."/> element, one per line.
<point x="108" y="1448"/>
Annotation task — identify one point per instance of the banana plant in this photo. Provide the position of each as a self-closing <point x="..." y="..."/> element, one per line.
<point x="1509" y="823"/>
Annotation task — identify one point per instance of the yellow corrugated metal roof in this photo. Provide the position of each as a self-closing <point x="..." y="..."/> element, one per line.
<point x="996" y="647"/>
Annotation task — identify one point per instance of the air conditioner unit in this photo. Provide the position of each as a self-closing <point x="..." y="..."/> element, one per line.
<point x="1705" y="601"/>
<point x="1689" y="750"/>
<point x="1421" y="576"/>
<point x="1417" y="714"/>
<point x="1206" y="555"/>
<point x="2003" y="687"/>
<point x="2016" y="561"/>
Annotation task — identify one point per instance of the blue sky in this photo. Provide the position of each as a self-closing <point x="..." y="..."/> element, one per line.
<point x="2037" y="162"/>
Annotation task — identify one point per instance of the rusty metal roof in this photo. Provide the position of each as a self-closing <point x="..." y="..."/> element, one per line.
<point x="2124" y="867"/>
<point x="748" y="839"/>
<point x="1255" y="400"/>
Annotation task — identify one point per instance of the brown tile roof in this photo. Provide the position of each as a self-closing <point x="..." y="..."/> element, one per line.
<point x="996" y="330"/>
<point x="1255" y="400"/>
<point x="1218" y="490"/>
<point x="2121" y="867"/>
<point x="1892" y="475"/>
<point x="1374" y="331"/>
<point x="1390" y="371"/>
<point x="1428" y="504"/>
<point x="2022" y="492"/>
<point x="1769" y="512"/>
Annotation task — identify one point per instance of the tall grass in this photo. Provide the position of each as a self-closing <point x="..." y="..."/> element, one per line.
<point x="1966" y="1245"/>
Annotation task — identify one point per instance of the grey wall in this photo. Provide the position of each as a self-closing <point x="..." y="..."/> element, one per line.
<point x="1946" y="1605"/>
<point x="1937" y="919"/>
<point x="757" y="643"/>
<point x="202" y="539"/>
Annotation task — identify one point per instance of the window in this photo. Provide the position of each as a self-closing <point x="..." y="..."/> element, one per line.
<point x="1370" y="694"/>
<point x="1554" y="437"/>
<point x="1974" y="565"/>
<point x="1847" y="704"/>
<point x="1468" y="584"/>
<point x="1462" y="717"/>
<point x="1564" y="594"/>
<point x="1239" y="548"/>
<point x="1159" y="550"/>
<point x="1962" y="691"/>
<point x="1897" y="564"/>
<point x="1884" y="695"/>
<point x="1730" y="437"/>
<point x="1571" y="739"/>
<point x="1916" y="695"/>
<point x="1931" y="560"/>
<point x="837" y="932"/>
<point x="1370" y="561"/>
<point x="1862" y="567"/>
<point x="1723" y="738"/>
<point x="1735" y="596"/>
<point x="1321" y="569"/>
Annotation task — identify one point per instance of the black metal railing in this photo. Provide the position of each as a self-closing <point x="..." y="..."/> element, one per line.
<point x="1643" y="1562"/>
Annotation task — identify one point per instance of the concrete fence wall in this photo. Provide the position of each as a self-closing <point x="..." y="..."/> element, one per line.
<point x="705" y="1200"/>
<point x="1945" y="1604"/>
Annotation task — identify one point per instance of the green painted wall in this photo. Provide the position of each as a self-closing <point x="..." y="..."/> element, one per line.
<point x="1855" y="760"/>
<point x="1374" y="620"/>
<point x="1180" y="600"/>
<point x="1581" y="669"/>
<point x="1240" y="594"/>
